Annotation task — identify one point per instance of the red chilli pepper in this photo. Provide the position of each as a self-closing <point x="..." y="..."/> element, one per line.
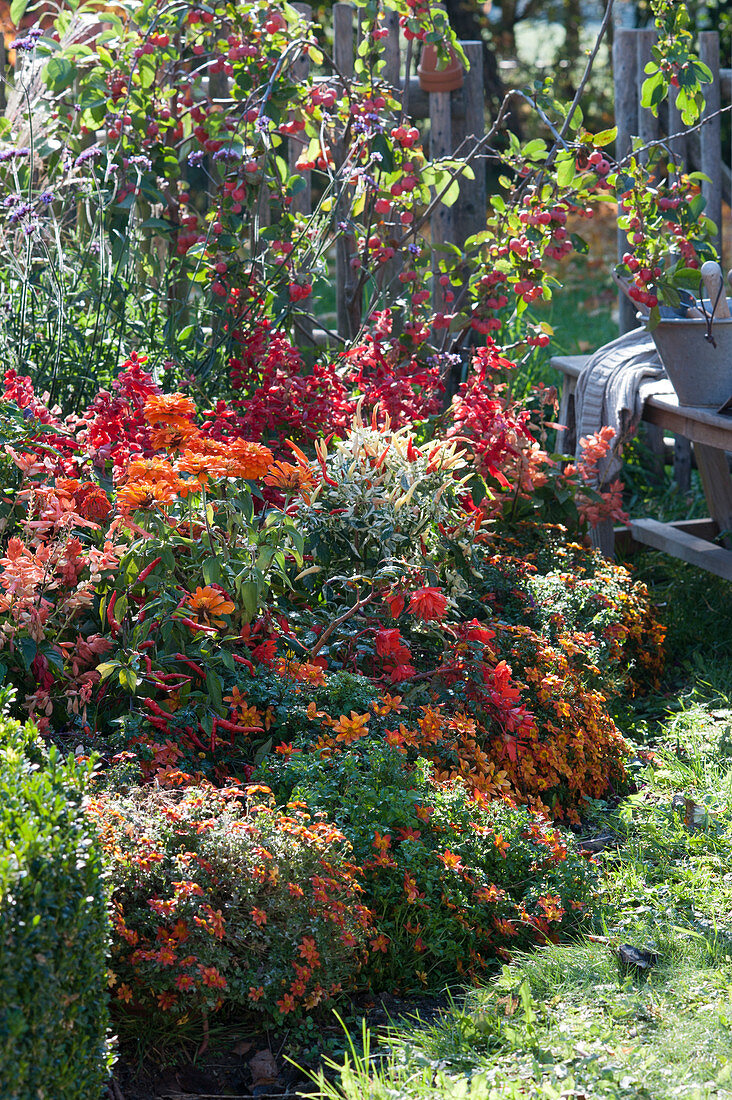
<point x="195" y="739"/>
<point x="112" y="622"/>
<point x="155" y="708"/>
<point x="148" y="570"/>
<point x="191" y="665"/>
<point x="232" y="727"/>
<point x="243" y="661"/>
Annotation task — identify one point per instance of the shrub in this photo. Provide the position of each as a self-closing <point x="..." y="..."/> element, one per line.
<point x="219" y="904"/>
<point x="53" y="927"/>
<point x="453" y="883"/>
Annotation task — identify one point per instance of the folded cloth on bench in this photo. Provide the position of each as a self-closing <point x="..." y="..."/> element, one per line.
<point x="611" y="390"/>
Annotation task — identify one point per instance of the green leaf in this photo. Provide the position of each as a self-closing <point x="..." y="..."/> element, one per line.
<point x="214" y="688"/>
<point x="106" y="668"/>
<point x="28" y="650"/>
<point x="653" y="92"/>
<point x="605" y="137"/>
<point x="18" y="9"/>
<point x="534" y="150"/>
<point x="128" y="679"/>
<point x="566" y="171"/>
<point x="249" y="596"/>
<point x="211" y="571"/>
<point x="59" y="74"/>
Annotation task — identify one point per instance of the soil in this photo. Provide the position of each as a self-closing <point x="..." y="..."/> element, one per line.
<point x="256" y="1065"/>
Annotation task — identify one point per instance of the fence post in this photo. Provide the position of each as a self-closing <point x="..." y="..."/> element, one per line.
<point x="470" y="209"/>
<point x="678" y="147"/>
<point x="441" y="221"/>
<point x="344" y="43"/>
<point x="649" y="129"/>
<point x="302" y="201"/>
<point x="625" y="75"/>
<point x="710" y="135"/>
<point x="391" y="49"/>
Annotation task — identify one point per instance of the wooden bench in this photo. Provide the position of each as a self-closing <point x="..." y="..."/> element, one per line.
<point x="711" y="434"/>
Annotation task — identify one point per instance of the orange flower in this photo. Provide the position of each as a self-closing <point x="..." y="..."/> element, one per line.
<point x="351" y="729"/>
<point x="428" y="604"/>
<point x="301" y="671"/>
<point x="259" y="917"/>
<point x="388" y="704"/>
<point x="236" y="698"/>
<point x="200" y="467"/>
<point x="174" y="436"/>
<point x="380" y="943"/>
<point x="152" y="469"/>
<point x="249" y="460"/>
<point x="287" y="1004"/>
<point x="289" y="478"/>
<point x="143" y="495"/>
<point x="208" y="603"/>
<point x="211" y="977"/>
<point x="450" y="860"/>
<point x="256" y="993"/>
<point x="166" y="408"/>
<point x="92" y="502"/>
<point x="124" y="993"/>
<point x="309" y="952"/>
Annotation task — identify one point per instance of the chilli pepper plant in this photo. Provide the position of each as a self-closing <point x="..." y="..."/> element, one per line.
<point x="161" y="569"/>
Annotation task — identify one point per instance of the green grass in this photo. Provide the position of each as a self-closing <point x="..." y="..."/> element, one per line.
<point x="568" y="1020"/>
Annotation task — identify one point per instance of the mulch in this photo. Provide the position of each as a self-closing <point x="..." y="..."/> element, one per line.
<point x="256" y="1065"/>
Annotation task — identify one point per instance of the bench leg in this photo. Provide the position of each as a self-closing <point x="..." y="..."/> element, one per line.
<point x="566" y="431"/>
<point x="715" y="477"/>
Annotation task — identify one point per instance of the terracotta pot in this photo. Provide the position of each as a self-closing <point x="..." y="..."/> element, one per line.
<point x="434" y="79"/>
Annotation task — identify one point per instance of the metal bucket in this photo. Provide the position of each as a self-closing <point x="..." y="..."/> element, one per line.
<point x="700" y="373"/>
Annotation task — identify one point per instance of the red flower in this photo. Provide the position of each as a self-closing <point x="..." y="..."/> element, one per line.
<point x="428" y="604"/>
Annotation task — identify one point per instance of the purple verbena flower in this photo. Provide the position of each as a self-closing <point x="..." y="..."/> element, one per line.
<point x="29" y="41"/>
<point x="88" y="154"/>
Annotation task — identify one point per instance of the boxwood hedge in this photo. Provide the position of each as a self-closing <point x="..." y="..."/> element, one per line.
<point x="53" y="927"/>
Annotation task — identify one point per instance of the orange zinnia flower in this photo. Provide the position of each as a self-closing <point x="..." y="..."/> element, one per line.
<point x="249" y="460"/>
<point x="208" y="603"/>
<point x="166" y="408"/>
<point x="289" y="478"/>
<point x="200" y="467"/>
<point x="144" y="494"/>
<point x="173" y="437"/>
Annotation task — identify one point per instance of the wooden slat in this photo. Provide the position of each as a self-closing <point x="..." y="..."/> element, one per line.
<point x="717" y="483"/>
<point x="441" y="222"/>
<point x="697" y="424"/>
<point x="705" y="529"/>
<point x="344" y="37"/>
<point x="301" y="202"/>
<point x="391" y="48"/>
<point x="625" y="77"/>
<point x="649" y="125"/>
<point x="470" y="209"/>
<point x="679" y="544"/>
<point x="571" y="365"/>
<point x="710" y="135"/>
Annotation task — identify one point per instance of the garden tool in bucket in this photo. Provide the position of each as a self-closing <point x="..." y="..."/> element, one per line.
<point x="697" y="351"/>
